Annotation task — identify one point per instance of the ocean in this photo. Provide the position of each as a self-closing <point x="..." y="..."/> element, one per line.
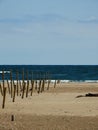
<point x="67" y="73"/>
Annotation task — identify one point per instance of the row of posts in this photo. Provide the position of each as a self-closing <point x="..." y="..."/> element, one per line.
<point x="21" y="86"/>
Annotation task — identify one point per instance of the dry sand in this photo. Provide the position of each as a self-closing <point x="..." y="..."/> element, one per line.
<point x="56" y="109"/>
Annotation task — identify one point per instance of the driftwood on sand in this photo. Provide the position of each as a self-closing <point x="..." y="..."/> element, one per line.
<point x="88" y="95"/>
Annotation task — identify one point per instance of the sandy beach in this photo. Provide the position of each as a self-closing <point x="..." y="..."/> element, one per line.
<point x="55" y="109"/>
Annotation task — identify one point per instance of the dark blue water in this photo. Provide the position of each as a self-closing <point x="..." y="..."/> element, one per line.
<point x="62" y="72"/>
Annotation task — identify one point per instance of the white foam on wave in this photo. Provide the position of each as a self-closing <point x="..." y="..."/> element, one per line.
<point x="61" y="81"/>
<point x="65" y="81"/>
<point x="69" y="81"/>
<point x="4" y="72"/>
<point x="91" y="81"/>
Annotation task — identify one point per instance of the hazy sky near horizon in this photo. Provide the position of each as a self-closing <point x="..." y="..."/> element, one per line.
<point x="63" y="32"/>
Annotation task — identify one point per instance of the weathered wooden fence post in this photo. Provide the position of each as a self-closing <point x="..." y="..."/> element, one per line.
<point x="11" y="83"/>
<point x="43" y="84"/>
<point x="36" y="84"/>
<point x="20" y="85"/>
<point x="1" y="89"/>
<point x="39" y="87"/>
<point x="4" y="96"/>
<point x="55" y="84"/>
<point x="23" y="89"/>
<point x="36" y="79"/>
<point x="27" y="90"/>
<point x="32" y="87"/>
<point x="17" y="82"/>
<point x="48" y="78"/>
<point x="32" y="83"/>
<point x="8" y="87"/>
<point x="14" y="93"/>
<point x="3" y="80"/>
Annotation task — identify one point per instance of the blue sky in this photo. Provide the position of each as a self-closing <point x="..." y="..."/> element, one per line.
<point x="63" y="32"/>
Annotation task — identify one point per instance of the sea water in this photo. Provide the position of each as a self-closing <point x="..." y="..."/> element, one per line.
<point x="66" y="73"/>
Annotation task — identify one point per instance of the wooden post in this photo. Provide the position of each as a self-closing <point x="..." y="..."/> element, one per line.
<point x="27" y="89"/>
<point x="39" y="83"/>
<point x="48" y="84"/>
<point x="35" y="84"/>
<point x="31" y="77"/>
<point x="55" y="84"/>
<point x="14" y="93"/>
<point x="8" y="87"/>
<point x="43" y="84"/>
<point x="1" y="89"/>
<point x="17" y="82"/>
<point x="20" y="85"/>
<point x="4" y="96"/>
<point x="32" y="87"/>
<point x="23" y="76"/>
<point x="48" y="77"/>
<point x="23" y="90"/>
<point x="32" y="83"/>
<point x="39" y="86"/>
<point x="3" y="80"/>
<point x="11" y="83"/>
<point x="36" y="80"/>
<point x="12" y="117"/>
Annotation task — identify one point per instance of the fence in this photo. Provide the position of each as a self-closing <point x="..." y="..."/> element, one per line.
<point x="25" y="85"/>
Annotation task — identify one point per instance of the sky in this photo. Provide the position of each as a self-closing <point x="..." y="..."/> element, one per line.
<point x="49" y="32"/>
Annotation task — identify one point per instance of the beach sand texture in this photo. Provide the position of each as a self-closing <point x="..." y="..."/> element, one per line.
<point x="55" y="109"/>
